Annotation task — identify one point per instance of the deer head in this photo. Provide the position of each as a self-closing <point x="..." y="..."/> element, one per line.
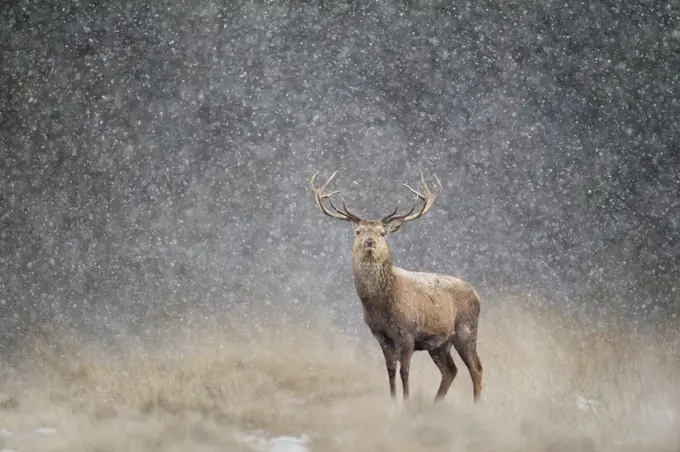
<point x="369" y="241"/>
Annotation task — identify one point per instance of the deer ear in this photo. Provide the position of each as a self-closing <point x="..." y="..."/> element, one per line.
<point x="393" y="226"/>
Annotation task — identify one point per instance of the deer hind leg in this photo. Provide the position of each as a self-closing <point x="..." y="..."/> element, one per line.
<point x="444" y="361"/>
<point x="465" y="342"/>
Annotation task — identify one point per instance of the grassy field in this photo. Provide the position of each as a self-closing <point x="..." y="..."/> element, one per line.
<point x="549" y="384"/>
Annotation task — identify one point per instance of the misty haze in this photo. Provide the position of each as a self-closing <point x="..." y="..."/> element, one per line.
<point x="167" y="281"/>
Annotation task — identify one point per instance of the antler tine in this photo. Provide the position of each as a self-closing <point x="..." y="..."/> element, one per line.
<point x="427" y="198"/>
<point x="344" y="210"/>
<point x="390" y="215"/>
<point x="348" y="212"/>
<point x="319" y="196"/>
<point x="394" y="216"/>
<point x="323" y="187"/>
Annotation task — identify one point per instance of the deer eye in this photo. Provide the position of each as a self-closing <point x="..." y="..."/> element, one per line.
<point x="356" y="231"/>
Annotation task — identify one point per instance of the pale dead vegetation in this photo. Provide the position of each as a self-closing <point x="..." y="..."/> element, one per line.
<point x="551" y="384"/>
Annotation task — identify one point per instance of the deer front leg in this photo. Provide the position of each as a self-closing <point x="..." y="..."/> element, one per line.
<point x="390" y="353"/>
<point x="405" y="365"/>
<point x="391" y="365"/>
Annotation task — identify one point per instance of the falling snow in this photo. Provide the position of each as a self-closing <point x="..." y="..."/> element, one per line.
<point x="156" y="156"/>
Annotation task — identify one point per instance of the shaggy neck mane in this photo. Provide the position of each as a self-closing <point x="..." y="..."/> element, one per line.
<point x="373" y="279"/>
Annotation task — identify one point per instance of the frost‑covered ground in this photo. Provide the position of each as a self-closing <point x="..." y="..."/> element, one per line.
<point x="221" y="383"/>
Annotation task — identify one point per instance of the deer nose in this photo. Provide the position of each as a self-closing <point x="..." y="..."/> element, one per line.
<point x="369" y="243"/>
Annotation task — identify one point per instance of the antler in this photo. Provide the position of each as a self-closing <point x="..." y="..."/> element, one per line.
<point x="428" y="199"/>
<point x="336" y="213"/>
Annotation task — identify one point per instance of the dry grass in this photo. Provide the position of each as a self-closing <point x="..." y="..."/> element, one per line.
<point x="550" y="384"/>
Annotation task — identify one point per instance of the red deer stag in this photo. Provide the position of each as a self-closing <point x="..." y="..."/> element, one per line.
<point x="409" y="311"/>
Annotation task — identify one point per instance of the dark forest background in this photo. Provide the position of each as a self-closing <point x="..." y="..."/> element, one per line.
<point x="156" y="155"/>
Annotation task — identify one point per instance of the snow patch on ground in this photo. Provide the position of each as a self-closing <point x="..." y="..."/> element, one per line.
<point x="260" y="443"/>
<point x="45" y="431"/>
<point x="9" y="435"/>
